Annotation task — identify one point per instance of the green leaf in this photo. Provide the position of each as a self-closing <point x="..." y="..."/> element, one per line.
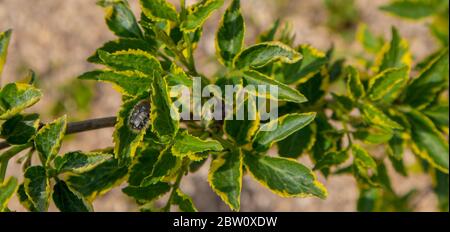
<point x="413" y="9"/>
<point x="134" y="60"/>
<point x="225" y="177"/>
<point x="373" y="135"/>
<point x="441" y="188"/>
<point x="312" y="62"/>
<point x="428" y="142"/>
<point x="122" y="44"/>
<point x="297" y="143"/>
<point x="79" y="162"/>
<point x="439" y="27"/>
<point x="355" y="88"/>
<point x="24" y="199"/>
<point x="261" y="54"/>
<point x="431" y="80"/>
<point x="147" y="193"/>
<point x="367" y="200"/>
<point x="20" y="128"/>
<point x="68" y="200"/>
<point x="120" y="18"/>
<point x="242" y="131"/>
<point x="7" y="190"/>
<point x="439" y="114"/>
<point x="178" y="77"/>
<point x="48" y="139"/>
<point x="364" y="167"/>
<point x="163" y="124"/>
<point x="15" y="97"/>
<point x="332" y="158"/>
<point x="143" y="165"/>
<point x="398" y="165"/>
<point x="285" y="93"/>
<point x="165" y="166"/>
<point x="37" y="187"/>
<point x="5" y="37"/>
<point x="281" y="128"/>
<point x="230" y="35"/>
<point x="395" y="54"/>
<point x="396" y="147"/>
<point x="388" y="85"/>
<point x="184" y="202"/>
<point x="132" y="122"/>
<point x="187" y="145"/>
<point x="198" y="13"/>
<point x="313" y="88"/>
<point x="370" y="42"/>
<point x="131" y="83"/>
<point x="98" y="180"/>
<point x="269" y="35"/>
<point x="159" y="9"/>
<point x="284" y="177"/>
<point x="375" y="116"/>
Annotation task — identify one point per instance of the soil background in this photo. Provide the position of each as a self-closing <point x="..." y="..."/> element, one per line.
<point x="54" y="38"/>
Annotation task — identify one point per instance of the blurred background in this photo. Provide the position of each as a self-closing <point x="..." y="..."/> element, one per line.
<point x="54" y="38"/>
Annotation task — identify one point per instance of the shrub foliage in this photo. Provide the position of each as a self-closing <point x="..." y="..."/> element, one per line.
<point x="334" y="112"/>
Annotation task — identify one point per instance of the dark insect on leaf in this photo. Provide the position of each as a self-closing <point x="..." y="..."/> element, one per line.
<point x="140" y="115"/>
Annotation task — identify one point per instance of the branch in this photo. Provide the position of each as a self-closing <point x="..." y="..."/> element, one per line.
<point x="77" y="127"/>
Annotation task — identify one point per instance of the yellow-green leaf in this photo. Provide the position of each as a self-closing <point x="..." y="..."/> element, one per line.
<point x="165" y="166"/>
<point x="428" y="141"/>
<point x="20" y="129"/>
<point x="48" y="139"/>
<point x="413" y="9"/>
<point x="147" y="193"/>
<point x="198" y="13"/>
<point x="284" y="177"/>
<point x="99" y="180"/>
<point x="300" y="71"/>
<point x="162" y="111"/>
<point x="79" y="162"/>
<point x="7" y="190"/>
<point x="120" y="18"/>
<point x="396" y="54"/>
<point x="285" y="93"/>
<point x="225" y="177"/>
<point x="15" y="97"/>
<point x="131" y="83"/>
<point x="431" y="80"/>
<point x="375" y="116"/>
<point x="69" y="200"/>
<point x="355" y="88"/>
<point x="370" y="42"/>
<point x="37" y="187"/>
<point x="187" y="145"/>
<point x="364" y="166"/>
<point x="5" y="37"/>
<point x="281" y="128"/>
<point x="184" y="202"/>
<point x="261" y="54"/>
<point x="230" y="35"/>
<point x="134" y="60"/>
<point x="388" y="85"/>
<point x="159" y="9"/>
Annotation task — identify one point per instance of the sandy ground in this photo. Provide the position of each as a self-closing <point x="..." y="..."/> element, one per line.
<point x="54" y="37"/>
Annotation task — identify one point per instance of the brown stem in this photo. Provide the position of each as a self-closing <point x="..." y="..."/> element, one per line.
<point x="77" y="127"/>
